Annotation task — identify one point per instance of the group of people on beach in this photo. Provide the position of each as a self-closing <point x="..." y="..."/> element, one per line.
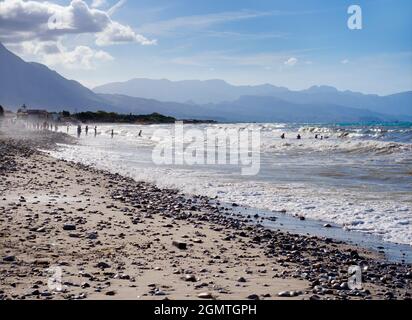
<point x="79" y="130"/>
<point x="86" y="130"/>
<point x="299" y="137"/>
<point x="283" y="136"/>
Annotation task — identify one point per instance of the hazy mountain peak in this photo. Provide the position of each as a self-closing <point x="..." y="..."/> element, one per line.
<point x="321" y="89"/>
<point x="198" y="91"/>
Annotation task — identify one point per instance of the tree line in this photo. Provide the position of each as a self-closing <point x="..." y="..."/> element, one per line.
<point x="103" y="116"/>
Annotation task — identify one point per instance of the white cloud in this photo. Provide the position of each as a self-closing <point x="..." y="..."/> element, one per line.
<point x="98" y="3"/>
<point x="266" y="61"/>
<point x="116" y="7"/>
<point x="245" y="36"/>
<point x="203" y="21"/>
<point x="36" y="29"/>
<point x="81" y="57"/>
<point x="118" y="33"/>
<point x="55" y="53"/>
<point x="345" y="61"/>
<point x="291" y="61"/>
<point x="199" y="21"/>
<point x="45" y="21"/>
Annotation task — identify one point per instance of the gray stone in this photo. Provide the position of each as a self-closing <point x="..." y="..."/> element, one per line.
<point x="288" y="294"/>
<point x="103" y="265"/>
<point x="205" y="295"/>
<point x="9" y="258"/>
<point x="69" y="227"/>
<point x="190" y="278"/>
<point x="180" y="245"/>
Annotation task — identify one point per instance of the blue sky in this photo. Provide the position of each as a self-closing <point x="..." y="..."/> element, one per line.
<point x="291" y="43"/>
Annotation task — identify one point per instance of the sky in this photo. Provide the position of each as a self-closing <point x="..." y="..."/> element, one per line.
<point x="289" y="43"/>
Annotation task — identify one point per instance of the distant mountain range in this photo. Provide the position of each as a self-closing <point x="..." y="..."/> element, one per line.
<point x="187" y="91"/>
<point x="218" y="91"/>
<point x="37" y="86"/>
<point x="272" y="109"/>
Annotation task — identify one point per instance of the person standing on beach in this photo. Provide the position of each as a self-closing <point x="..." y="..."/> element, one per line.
<point x="140" y="133"/>
<point x="95" y="130"/>
<point x="79" y="130"/>
<point x="68" y="129"/>
<point x="112" y="133"/>
<point x="87" y="130"/>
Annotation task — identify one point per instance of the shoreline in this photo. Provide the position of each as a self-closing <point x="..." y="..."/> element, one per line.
<point x="128" y="228"/>
<point x="385" y="250"/>
<point x="301" y="177"/>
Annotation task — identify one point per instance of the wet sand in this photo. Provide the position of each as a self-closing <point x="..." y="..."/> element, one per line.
<point x="116" y="238"/>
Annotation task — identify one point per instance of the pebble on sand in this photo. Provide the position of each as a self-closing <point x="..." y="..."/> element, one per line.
<point x="103" y="265"/>
<point x="288" y="294"/>
<point x="190" y="278"/>
<point x="9" y="258"/>
<point x="69" y="227"/>
<point x="180" y="244"/>
<point x="205" y="295"/>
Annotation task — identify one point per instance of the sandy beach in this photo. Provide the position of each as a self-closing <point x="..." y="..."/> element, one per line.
<point x="115" y="238"/>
